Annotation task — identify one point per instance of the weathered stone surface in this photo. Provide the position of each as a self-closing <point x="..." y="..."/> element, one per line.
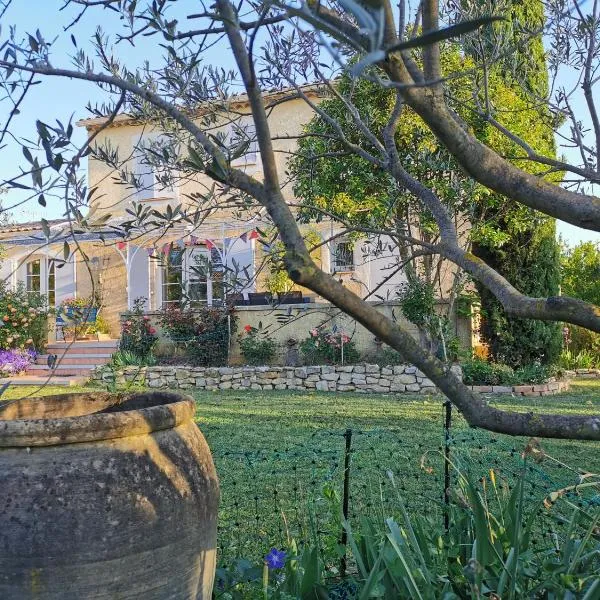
<point x="398" y="369"/>
<point x="145" y="523"/>
<point x="502" y="389"/>
<point x="372" y="368"/>
<point x="330" y="376"/>
<point x="405" y="378"/>
<point x="322" y="386"/>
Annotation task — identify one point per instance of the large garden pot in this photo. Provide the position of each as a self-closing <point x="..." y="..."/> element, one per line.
<point x="106" y="496"/>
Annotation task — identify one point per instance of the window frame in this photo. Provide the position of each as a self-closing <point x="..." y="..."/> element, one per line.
<point x="347" y="266"/>
<point x="188" y="278"/>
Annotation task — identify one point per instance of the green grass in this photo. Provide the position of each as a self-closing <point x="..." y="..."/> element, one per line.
<point x="279" y="456"/>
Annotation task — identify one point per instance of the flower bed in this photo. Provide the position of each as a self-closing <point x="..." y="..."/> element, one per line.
<point x="15" y="361"/>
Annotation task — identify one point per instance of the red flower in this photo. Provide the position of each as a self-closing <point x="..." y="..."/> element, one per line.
<point x="247" y="328"/>
<point x="151" y="331"/>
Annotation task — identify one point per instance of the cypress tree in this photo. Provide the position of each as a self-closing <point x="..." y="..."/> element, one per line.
<point x="530" y="258"/>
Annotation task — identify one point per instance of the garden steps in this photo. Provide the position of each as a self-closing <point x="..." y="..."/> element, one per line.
<point x="55" y="380"/>
<point x="76" y="359"/>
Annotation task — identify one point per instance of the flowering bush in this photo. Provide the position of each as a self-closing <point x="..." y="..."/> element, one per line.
<point x="257" y="346"/>
<point x="15" y="361"/>
<point x="330" y="346"/>
<point x="202" y="334"/>
<point x="72" y="302"/>
<point x="23" y="318"/>
<point x="138" y="335"/>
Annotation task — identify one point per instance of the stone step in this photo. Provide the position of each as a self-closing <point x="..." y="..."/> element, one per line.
<point x="61" y="369"/>
<point x="69" y="358"/>
<point x="104" y="347"/>
<point x="58" y="380"/>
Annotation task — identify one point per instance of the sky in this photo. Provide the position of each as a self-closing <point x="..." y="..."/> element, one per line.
<point x="63" y="99"/>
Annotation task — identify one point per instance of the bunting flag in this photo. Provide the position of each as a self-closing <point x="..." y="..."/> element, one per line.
<point x="193" y="240"/>
<point x="244" y="237"/>
<point x="121" y="245"/>
<point x="165" y="248"/>
<point x="209" y="244"/>
<point x="253" y="235"/>
<point x="180" y="244"/>
<point x="150" y="250"/>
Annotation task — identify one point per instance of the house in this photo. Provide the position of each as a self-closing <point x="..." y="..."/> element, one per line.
<point x="161" y="264"/>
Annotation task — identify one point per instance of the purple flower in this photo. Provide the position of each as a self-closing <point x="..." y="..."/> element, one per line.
<point x="15" y="361"/>
<point x="275" y="559"/>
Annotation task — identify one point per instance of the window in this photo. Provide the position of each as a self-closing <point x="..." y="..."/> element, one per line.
<point x="154" y="179"/>
<point x="242" y="138"/>
<point x="172" y="278"/>
<point x="343" y="257"/>
<point x="193" y="275"/>
<point x="33" y="279"/>
<point x="51" y="290"/>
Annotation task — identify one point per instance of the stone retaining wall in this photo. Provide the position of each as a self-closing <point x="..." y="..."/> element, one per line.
<point x="363" y="378"/>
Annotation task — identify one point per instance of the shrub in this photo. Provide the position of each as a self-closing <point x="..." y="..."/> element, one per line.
<point x="584" y="359"/>
<point x="256" y="345"/>
<point x="328" y="346"/>
<point x="202" y="333"/>
<point x="126" y="358"/>
<point x="138" y="336"/>
<point x="23" y="318"/>
<point x="15" y="361"/>
<point x="481" y="372"/>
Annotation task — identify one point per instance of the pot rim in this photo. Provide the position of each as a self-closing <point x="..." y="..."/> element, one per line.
<point x="19" y="433"/>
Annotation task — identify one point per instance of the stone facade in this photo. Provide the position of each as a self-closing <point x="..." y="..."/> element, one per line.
<point x="363" y="378"/>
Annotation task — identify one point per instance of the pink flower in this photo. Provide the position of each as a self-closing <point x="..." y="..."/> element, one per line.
<point x="146" y="318"/>
<point x="151" y="331"/>
<point x="314" y="332"/>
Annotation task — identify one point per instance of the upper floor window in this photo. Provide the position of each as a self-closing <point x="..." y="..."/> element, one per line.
<point x="243" y="144"/>
<point x="343" y="257"/>
<point x="153" y="162"/>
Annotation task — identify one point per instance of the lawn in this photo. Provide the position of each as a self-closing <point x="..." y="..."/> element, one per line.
<point x="280" y="458"/>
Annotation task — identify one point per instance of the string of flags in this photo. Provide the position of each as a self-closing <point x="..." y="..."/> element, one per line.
<point x="192" y="241"/>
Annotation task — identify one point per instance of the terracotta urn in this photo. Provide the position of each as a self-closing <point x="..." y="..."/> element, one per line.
<point x="106" y="496"/>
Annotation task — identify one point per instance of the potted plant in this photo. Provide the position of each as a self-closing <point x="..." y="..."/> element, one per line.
<point x="75" y="317"/>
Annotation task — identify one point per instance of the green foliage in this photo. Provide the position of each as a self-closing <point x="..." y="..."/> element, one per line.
<point x="328" y="346"/>
<point x="488" y="551"/>
<point x="127" y="358"/>
<point x="584" y="359"/>
<point x="580" y="272"/>
<point x="278" y="281"/>
<point x="23" y="318"/>
<point x="257" y="345"/>
<point x="201" y="333"/>
<point x="528" y="257"/>
<point x="138" y="335"/>
<point x="482" y="372"/>
<point x="530" y="263"/>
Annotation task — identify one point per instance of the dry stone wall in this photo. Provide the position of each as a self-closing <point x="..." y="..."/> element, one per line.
<point x="364" y="378"/>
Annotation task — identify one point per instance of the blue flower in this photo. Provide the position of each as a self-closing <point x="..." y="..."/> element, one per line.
<point x="275" y="559"/>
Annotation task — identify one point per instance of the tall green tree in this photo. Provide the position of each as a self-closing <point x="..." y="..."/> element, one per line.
<point x="529" y="256"/>
<point x="361" y="195"/>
